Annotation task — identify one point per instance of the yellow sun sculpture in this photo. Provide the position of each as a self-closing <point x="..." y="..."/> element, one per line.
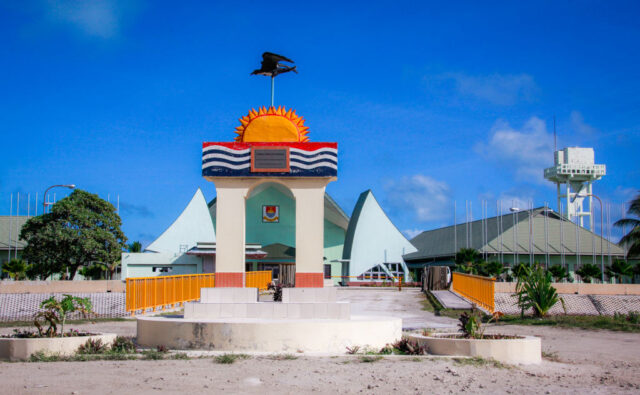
<point x="272" y="125"/>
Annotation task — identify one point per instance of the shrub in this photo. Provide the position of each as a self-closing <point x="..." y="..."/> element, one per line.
<point x="409" y="347"/>
<point x="469" y="323"/>
<point x="534" y="290"/>
<point x="558" y="272"/>
<point x="123" y="344"/>
<point x="56" y="312"/>
<point x="92" y="346"/>
<point x="180" y="355"/>
<point x="589" y="271"/>
<point x="353" y="350"/>
<point x="229" y="358"/>
<point x="152" y="355"/>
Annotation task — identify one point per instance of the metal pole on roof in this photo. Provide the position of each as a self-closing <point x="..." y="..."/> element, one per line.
<point x="15" y="253"/>
<point x="471" y="223"/>
<point x="455" y="230"/>
<point x="10" y="225"/>
<point x="562" y="262"/>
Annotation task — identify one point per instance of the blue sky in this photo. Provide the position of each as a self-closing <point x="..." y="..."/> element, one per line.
<point x="429" y="102"/>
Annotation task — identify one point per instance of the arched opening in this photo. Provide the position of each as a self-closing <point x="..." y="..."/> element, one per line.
<point x="270" y="215"/>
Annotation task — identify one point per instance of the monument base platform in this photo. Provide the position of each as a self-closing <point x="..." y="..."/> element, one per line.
<point x="280" y="335"/>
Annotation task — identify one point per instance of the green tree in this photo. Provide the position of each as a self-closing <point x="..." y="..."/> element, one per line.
<point x="468" y="260"/>
<point x="134" y="247"/>
<point x="521" y="269"/>
<point x="632" y="239"/>
<point x="80" y="229"/>
<point x="56" y="312"/>
<point x="15" y="269"/>
<point x="589" y="271"/>
<point x="558" y="272"/>
<point x="619" y="269"/>
<point x="94" y="272"/>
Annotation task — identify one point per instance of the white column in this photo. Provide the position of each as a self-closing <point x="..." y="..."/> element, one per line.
<point x="230" y="225"/>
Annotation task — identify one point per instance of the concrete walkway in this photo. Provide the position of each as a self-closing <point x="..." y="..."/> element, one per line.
<point x="406" y="304"/>
<point x="450" y="300"/>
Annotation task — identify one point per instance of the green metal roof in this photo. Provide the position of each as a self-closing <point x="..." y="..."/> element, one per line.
<point x="442" y="243"/>
<point x="10" y="227"/>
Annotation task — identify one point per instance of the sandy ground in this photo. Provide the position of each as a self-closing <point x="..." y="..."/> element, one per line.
<point x="578" y="361"/>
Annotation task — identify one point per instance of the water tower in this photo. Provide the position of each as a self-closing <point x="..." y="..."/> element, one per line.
<point x="574" y="172"/>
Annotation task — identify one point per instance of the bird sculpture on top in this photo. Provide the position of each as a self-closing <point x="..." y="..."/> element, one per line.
<point x="271" y="65"/>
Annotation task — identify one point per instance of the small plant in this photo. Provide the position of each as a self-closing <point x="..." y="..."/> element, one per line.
<point x="41" y="356"/>
<point x="229" y="358"/>
<point x="123" y="344"/>
<point x="534" y="290"/>
<point x="152" y="355"/>
<point x="180" y="355"/>
<point x="469" y="324"/>
<point x="370" y="358"/>
<point x="633" y="317"/>
<point x="283" y="357"/>
<point x="56" y="312"/>
<point x="92" y="346"/>
<point x="409" y="347"/>
<point x="353" y="350"/>
<point x="161" y="348"/>
<point x="386" y="350"/>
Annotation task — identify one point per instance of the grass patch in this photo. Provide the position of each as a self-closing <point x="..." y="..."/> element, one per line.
<point x="282" y="357"/>
<point x="479" y="362"/>
<point x="228" y="359"/>
<point x="153" y="355"/>
<point x="431" y="304"/>
<point x="619" y="324"/>
<point x="10" y="324"/>
<point x="41" y="356"/>
<point x="370" y="358"/>
<point x="550" y="356"/>
<point x="179" y="355"/>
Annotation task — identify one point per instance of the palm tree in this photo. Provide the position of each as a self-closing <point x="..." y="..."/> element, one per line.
<point x="467" y="260"/>
<point x="521" y="269"/>
<point x="619" y="269"/>
<point x="558" y="272"/>
<point x="134" y="247"/>
<point x="589" y="271"/>
<point x="494" y="269"/>
<point x="16" y="269"/>
<point x="632" y="239"/>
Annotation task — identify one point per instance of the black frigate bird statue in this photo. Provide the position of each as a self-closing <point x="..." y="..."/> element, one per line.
<point x="271" y="65"/>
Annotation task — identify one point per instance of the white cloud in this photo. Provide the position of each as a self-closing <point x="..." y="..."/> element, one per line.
<point x="427" y="198"/>
<point x="411" y="233"/>
<point x="101" y="18"/>
<point x="501" y="89"/>
<point x="527" y="150"/>
<point x="578" y="124"/>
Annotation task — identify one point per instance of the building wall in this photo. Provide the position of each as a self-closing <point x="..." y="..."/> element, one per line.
<point x="265" y="233"/>
<point x="333" y="246"/>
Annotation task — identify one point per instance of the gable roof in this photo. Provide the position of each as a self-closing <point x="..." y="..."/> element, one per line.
<point x="192" y="225"/>
<point x="442" y="242"/>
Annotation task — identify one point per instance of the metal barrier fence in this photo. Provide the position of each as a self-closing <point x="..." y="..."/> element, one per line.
<point x="258" y="280"/>
<point x="477" y="289"/>
<point x="159" y="292"/>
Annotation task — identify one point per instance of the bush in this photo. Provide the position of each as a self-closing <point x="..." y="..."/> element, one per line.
<point x="589" y="271"/>
<point x="534" y="290"/>
<point x="558" y="272"/>
<point x="409" y="347"/>
<point x="92" y="347"/>
<point x="123" y="344"/>
<point x="229" y="358"/>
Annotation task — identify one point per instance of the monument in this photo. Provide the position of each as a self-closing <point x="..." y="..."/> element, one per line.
<point x="271" y="146"/>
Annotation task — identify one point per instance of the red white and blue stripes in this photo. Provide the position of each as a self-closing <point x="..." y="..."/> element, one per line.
<point x="305" y="159"/>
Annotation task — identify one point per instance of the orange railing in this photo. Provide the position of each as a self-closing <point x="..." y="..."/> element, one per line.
<point x="258" y="280"/>
<point x="476" y="289"/>
<point x="145" y="293"/>
<point x="157" y="292"/>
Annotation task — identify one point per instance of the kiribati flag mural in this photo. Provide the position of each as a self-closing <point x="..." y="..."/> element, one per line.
<point x="270" y="213"/>
<point x="270" y="159"/>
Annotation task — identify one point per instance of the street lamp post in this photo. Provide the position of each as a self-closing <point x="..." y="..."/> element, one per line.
<point x="601" y="233"/>
<point x="44" y="200"/>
